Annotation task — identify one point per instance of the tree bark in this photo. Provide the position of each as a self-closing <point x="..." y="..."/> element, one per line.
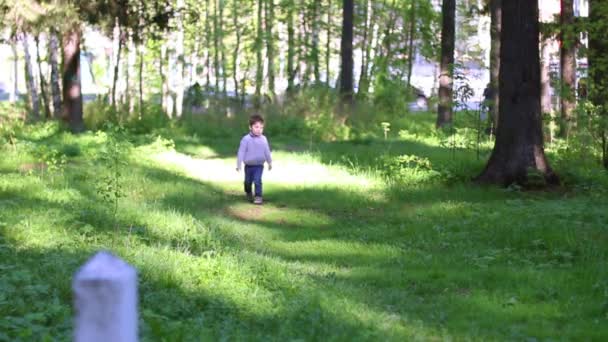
<point x="545" y="86"/>
<point x="598" y="69"/>
<point x="222" y="50"/>
<point x="411" y="49"/>
<point x="216" y="48"/>
<point x="30" y="81"/>
<point x="567" y="66"/>
<point x="444" y="111"/>
<point x="291" y="72"/>
<point x="495" y="29"/>
<point x="14" y="97"/>
<point x="237" y="47"/>
<point x="259" y="74"/>
<point x="208" y="36"/>
<point x="328" y="43"/>
<point x="315" y="41"/>
<point x="367" y="12"/>
<point x="518" y="152"/>
<point x="117" y="47"/>
<point x="346" y="52"/>
<point x="180" y="59"/>
<point x="53" y="61"/>
<point x="43" y="92"/>
<point x="141" y="53"/>
<point x="72" y="95"/>
<point x="270" y="54"/>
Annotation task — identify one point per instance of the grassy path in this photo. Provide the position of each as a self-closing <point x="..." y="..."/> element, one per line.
<point x="331" y="256"/>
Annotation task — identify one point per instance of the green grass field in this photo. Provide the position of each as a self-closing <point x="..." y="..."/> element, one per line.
<point x="335" y="254"/>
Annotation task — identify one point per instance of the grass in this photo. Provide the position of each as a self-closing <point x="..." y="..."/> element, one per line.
<point x="335" y="254"/>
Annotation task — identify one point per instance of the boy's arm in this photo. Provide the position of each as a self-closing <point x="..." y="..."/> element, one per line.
<point x="268" y="155"/>
<point x="240" y="155"/>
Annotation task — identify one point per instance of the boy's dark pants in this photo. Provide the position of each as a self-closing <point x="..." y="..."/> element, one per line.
<point x="253" y="174"/>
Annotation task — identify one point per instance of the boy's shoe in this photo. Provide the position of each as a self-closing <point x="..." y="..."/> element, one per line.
<point x="257" y="200"/>
<point x="249" y="197"/>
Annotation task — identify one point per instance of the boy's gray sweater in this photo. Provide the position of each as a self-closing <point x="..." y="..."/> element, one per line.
<point x="253" y="150"/>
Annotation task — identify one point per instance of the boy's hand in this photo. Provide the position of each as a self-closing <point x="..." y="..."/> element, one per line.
<point x="269" y="167"/>
<point x="238" y="169"/>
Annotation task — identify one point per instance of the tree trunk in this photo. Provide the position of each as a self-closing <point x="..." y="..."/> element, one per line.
<point x="130" y="97"/>
<point x="495" y="29"/>
<point x="222" y="50"/>
<point x="315" y="41"/>
<point x="291" y="72"/>
<point x="328" y="43"/>
<point x="14" y="97"/>
<point x="208" y="36"/>
<point x="270" y="46"/>
<point x="518" y="155"/>
<point x="346" y="52"/>
<point x="444" y="111"/>
<point x="141" y="53"/>
<point x="411" y="49"/>
<point x="598" y="69"/>
<point x="304" y="47"/>
<point x="237" y="47"/>
<point x="117" y="47"/>
<point x="30" y="80"/>
<point x="567" y="66"/>
<point x="72" y="95"/>
<point x="216" y="48"/>
<point x="367" y="12"/>
<point x="259" y="74"/>
<point x="43" y="92"/>
<point x="545" y="86"/>
<point x="53" y="61"/>
<point x="180" y="60"/>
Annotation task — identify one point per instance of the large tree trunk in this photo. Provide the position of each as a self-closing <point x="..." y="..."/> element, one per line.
<point x="270" y="46"/>
<point x="346" y="52"/>
<point x="30" y="80"/>
<point x="53" y="61"/>
<point x="495" y="29"/>
<point x="43" y="92"/>
<point x="567" y="66"/>
<point x="518" y="151"/>
<point x="444" y="110"/>
<point x="598" y="68"/>
<point x="72" y="95"/>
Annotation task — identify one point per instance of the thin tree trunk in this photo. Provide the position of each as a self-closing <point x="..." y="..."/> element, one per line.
<point x="208" y="36"/>
<point x="180" y="60"/>
<point x="444" y="113"/>
<point x="328" y="43"/>
<point x="346" y="52"/>
<point x="141" y="53"/>
<point x="43" y="92"/>
<point x="367" y="9"/>
<point x="567" y="66"/>
<point x="291" y="72"/>
<point x="55" y="87"/>
<point x="130" y="86"/>
<point x="259" y="75"/>
<point x="545" y="87"/>
<point x="269" y="23"/>
<point x="237" y="47"/>
<point x="222" y="50"/>
<point x="216" y="48"/>
<point x="14" y="97"/>
<point x="72" y="95"/>
<point x="117" y="44"/>
<point x="30" y="81"/>
<point x="518" y="152"/>
<point x="315" y="41"/>
<point x="495" y="29"/>
<point x="411" y="49"/>
<point x="304" y="47"/>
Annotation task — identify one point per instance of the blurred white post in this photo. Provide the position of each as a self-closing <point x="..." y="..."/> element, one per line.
<point x="105" y="299"/>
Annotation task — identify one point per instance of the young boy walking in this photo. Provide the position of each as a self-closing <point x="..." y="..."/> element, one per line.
<point x="254" y="152"/>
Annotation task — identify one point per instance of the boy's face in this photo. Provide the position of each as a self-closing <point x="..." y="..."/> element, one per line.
<point x="257" y="128"/>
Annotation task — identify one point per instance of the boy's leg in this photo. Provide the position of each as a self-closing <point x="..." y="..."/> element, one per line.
<point x="248" y="179"/>
<point x="257" y="179"/>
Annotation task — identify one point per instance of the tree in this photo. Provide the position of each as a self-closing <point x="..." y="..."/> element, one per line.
<point x="598" y="69"/>
<point x="567" y="51"/>
<point x="518" y="152"/>
<point x="346" y="52"/>
<point x="72" y="94"/>
<point x="495" y="29"/>
<point x="444" y="110"/>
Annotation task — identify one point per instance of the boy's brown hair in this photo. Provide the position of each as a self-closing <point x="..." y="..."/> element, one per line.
<point x="255" y="118"/>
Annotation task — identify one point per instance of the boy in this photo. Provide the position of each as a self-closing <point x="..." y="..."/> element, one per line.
<point x="254" y="151"/>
